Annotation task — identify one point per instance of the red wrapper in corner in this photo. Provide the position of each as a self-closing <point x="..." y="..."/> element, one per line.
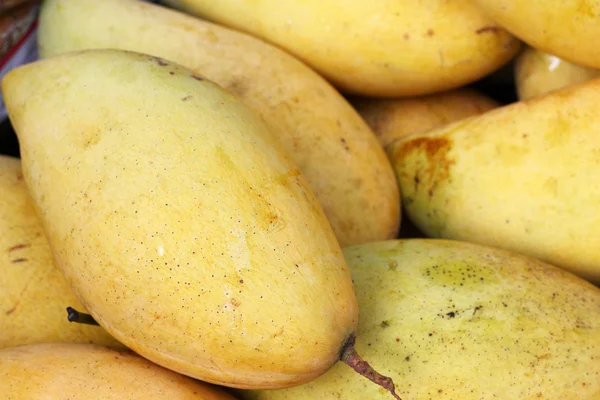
<point x="18" y="45"/>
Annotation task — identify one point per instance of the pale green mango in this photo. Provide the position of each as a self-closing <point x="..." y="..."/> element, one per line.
<point x="458" y="321"/>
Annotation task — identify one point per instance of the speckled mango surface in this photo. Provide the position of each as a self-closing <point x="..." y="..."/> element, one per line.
<point x="449" y="320"/>
<point x="179" y="221"/>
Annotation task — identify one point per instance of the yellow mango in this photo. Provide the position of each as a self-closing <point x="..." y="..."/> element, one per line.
<point x="377" y="48"/>
<point x="458" y="321"/>
<point x="567" y="29"/>
<point x="179" y="221"/>
<point x="34" y="294"/>
<point x="57" y="371"/>
<point x="392" y="119"/>
<point x="520" y="177"/>
<point x="538" y="73"/>
<point x="336" y="151"/>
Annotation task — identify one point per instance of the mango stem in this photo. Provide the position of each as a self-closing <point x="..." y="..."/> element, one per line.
<point x="81" y="318"/>
<point x="351" y="357"/>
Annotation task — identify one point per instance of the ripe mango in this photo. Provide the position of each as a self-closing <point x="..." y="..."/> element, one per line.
<point x="519" y="177"/>
<point x="374" y="48"/>
<point x="392" y="119"/>
<point x="57" y="371"/>
<point x="179" y="221"/>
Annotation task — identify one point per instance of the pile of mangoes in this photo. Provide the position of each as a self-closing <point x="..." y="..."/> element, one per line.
<point x="209" y="200"/>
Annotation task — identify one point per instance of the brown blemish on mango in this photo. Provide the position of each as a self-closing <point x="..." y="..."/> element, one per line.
<point x="12" y="310"/>
<point x="235" y="303"/>
<point x="237" y="87"/>
<point x="18" y="247"/>
<point x="434" y="170"/>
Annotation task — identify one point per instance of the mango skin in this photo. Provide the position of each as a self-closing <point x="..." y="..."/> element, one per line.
<point x="34" y="294"/>
<point x="180" y="223"/>
<point x="336" y="151"/>
<point x="57" y="371"/>
<point x="520" y="177"/>
<point x="538" y="73"/>
<point x="567" y="29"/>
<point x="458" y="321"/>
<point x="392" y="119"/>
<point x="374" y="48"/>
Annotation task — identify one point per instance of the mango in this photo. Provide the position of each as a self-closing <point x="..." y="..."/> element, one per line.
<point x="519" y="177"/>
<point x="538" y="73"/>
<point x="34" y="294"/>
<point x="57" y="371"/>
<point x="374" y="48"/>
<point x="335" y="150"/>
<point x="392" y="119"/>
<point x="454" y="320"/>
<point x="567" y="29"/>
<point x="180" y="223"/>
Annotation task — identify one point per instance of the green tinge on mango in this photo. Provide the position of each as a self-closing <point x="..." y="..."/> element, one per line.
<point x="537" y="73"/>
<point x="453" y="320"/>
<point x="520" y="177"/>
<point x="182" y="225"/>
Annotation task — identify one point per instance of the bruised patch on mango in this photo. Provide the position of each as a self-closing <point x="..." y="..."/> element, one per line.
<point x="423" y="161"/>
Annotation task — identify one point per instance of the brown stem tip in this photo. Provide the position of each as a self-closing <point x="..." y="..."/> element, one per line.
<point x="75" y="316"/>
<point x="351" y="357"/>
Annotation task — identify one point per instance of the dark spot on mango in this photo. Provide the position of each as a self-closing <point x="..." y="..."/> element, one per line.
<point x="12" y="310"/>
<point x="406" y="36"/>
<point x="18" y="247"/>
<point x="19" y="260"/>
<point x="237" y="87"/>
<point x="186" y="98"/>
<point x="171" y="73"/>
<point x="160" y="62"/>
<point x="385" y="324"/>
<point x="430" y="32"/>
<point x="197" y="78"/>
